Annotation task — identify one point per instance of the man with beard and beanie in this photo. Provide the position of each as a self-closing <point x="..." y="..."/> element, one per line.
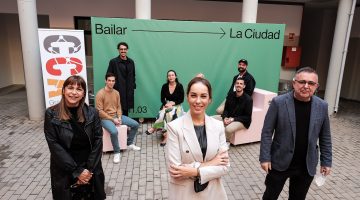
<point x="248" y="79"/>
<point x="124" y="69"/>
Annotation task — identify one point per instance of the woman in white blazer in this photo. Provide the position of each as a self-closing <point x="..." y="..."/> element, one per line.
<point x="197" y="150"/>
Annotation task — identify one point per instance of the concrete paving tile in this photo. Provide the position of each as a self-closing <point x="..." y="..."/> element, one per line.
<point x="8" y="195"/>
<point x="20" y="189"/>
<point x="24" y="171"/>
<point x="14" y="197"/>
<point x="44" y="191"/>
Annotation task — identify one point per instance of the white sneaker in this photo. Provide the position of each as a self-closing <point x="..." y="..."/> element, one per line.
<point x="133" y="147"/>
<point x="117" y="157"/>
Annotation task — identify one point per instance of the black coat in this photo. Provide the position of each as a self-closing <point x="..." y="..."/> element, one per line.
<point x="63" y="168"/>
<point x="125" y="80"/>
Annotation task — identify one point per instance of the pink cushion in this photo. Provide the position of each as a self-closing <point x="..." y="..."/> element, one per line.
<point x="122" y="137"/>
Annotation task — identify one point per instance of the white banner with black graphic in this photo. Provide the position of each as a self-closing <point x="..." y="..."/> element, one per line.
<point x="62" y="55"/>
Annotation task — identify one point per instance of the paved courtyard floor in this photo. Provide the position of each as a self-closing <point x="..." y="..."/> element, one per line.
<point x="24" y="161"/>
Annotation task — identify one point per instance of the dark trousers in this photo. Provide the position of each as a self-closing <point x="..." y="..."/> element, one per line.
<point x="125" y="112"/>
<point x="300" y="182"/>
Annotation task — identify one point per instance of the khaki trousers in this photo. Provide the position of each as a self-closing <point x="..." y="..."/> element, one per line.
<point x="231" y="128"/>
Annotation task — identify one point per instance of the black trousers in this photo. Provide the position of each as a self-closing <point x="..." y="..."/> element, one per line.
<point x="300" y="182"/>
<point x="125" y="112"/>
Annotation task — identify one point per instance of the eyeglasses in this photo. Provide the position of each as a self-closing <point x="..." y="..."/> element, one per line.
<point x="123" y="49"/>
<point x="303" y="82"/>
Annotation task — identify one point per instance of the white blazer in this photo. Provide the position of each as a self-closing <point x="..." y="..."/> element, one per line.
<point x="184" y="149"/>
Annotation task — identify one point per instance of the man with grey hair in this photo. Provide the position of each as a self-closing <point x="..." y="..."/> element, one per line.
<point x="295" y="124"/>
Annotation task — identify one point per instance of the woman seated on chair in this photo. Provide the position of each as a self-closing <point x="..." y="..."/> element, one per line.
<point x="172" y="95"/>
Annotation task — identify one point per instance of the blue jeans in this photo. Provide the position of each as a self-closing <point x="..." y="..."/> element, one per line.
<point x="111" y="128"/>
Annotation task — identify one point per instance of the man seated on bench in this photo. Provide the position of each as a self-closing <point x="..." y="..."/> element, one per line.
<point x="109" y="107"/>
<point x="238" y="110"/>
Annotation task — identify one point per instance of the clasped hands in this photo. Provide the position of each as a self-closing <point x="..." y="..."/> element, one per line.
<point x="228" y="120"/>
<point x="169" y="104"/>
<point x="84" y="177"/>
<point x="117" y="121"/>
<point x="182" y="172"/>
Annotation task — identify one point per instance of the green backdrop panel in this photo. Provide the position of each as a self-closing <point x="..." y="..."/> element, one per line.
<point x="188" y="47"/>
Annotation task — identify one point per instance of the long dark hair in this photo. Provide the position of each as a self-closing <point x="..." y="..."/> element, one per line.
<point x="64" y="112"/>
<point x="167" y="73"/>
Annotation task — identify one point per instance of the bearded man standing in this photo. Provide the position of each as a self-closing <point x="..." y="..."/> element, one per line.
<point x="296" y="133"/>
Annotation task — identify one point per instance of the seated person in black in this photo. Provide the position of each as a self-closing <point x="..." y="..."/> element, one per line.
<point x="237" y="111"/>
<point x="248" y="79"/>
<point x="172" y="95"/>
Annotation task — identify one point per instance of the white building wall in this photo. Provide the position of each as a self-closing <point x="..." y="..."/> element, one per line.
<point x="61" y="15"/>
<point x="14" y="44"/>
<point x="5" y="70"/>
